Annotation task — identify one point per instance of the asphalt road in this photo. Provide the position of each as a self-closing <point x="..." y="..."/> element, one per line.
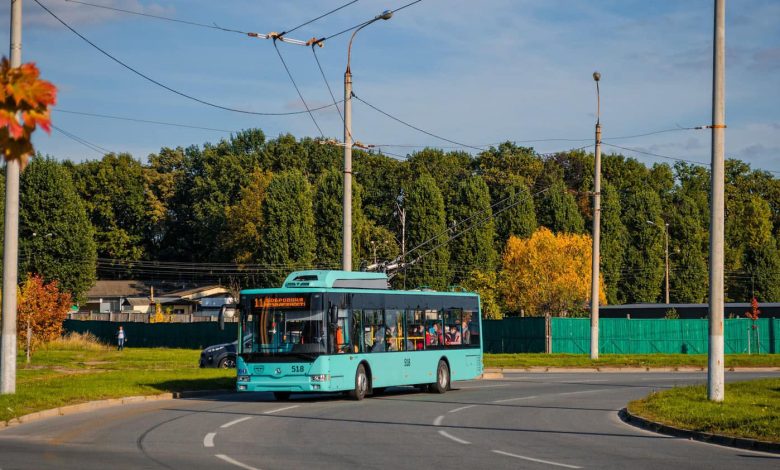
<point x="535" y="421"/>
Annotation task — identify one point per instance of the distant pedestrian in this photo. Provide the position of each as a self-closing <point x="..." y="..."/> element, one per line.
<point x="120" y="339"/>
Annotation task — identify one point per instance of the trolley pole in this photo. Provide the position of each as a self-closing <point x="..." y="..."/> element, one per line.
<point x="715" y="372"/>
<point x="596" y="258"/>
<point x="11" y="241"/>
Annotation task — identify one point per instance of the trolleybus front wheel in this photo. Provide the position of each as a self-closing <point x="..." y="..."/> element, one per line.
<point x="442" y="378"/>
<point x="361" y="384"/>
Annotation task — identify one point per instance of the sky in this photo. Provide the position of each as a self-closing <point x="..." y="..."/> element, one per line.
<point x="477" y="73"/>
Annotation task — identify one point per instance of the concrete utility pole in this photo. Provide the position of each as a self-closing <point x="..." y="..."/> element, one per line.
<point x="346" y="260"/>
<point x="715" y="372"/>
<point x="596" y="258"/>
<point x="666" y="259"/>
<point x="11" y="241"/>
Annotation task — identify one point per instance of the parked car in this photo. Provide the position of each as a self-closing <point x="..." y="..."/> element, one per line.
<point x="222" y="355"/>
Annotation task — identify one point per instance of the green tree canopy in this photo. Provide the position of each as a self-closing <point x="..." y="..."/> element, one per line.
<point x="557" y="210"/>
<point x="644" y="256"/>
<point x="55" y="234"/>
<point x="613" y="243"/>
<point x="520" y="219"/>
<point x="426" y="234"/>
<point x="688" y="278"/>
<point x="474" y="248"/>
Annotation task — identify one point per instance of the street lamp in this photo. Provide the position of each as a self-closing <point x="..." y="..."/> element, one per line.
<point x="666" y="257"/>
<point x="347" y="228"/>
<point x="596" y="254"/>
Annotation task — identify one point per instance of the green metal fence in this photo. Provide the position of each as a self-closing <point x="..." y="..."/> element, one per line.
<point x="624" y="336"/>
<point x="513" y="335"/>
<point x="154" y="335"/>
<point x="687" y="336"/>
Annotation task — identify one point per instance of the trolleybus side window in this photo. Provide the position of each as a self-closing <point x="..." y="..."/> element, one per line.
<point x="415" y="329"/>
<point x="394" y="330"/>
<point x="470" y="327"/>
<point x="453" y="336"/>
<point x="434" y="335"/>
<point x="373" y="330"/>
<point x="357" y="333"/>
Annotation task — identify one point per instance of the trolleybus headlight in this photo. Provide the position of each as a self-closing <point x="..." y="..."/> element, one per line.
<point x="242" y="371"/>
<point x="320" y="378"/>
<point x="243" y="378"/>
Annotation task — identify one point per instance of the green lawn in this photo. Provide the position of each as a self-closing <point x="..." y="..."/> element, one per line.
<point x="59" y="377"/>
<point x="751" y="409"/>
<point x="625" y="360"/>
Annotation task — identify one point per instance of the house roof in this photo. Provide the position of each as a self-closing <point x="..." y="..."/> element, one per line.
<point x="198" y="292"/>
<point x="117" y="289"/>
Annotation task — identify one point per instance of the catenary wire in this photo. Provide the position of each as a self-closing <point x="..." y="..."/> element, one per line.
<point x="145" y="121"/>
<point x="166" y="87"/>
<point x="414" y="127"/>
<point x="656" y="154"/>
<point x="287" y="31"/>
<point x="101" y="150"/>
<point x="295" y="85"/>
<point x="158" y="17"/>
<point x="363" y="23"/>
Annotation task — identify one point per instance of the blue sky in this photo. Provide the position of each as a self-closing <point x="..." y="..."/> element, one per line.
<point x="475" y="72"/>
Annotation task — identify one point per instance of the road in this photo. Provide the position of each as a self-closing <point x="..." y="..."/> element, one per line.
<point x="526" y="420"/>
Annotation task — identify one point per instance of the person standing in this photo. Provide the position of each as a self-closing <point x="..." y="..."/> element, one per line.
<point x="120" y="339"/>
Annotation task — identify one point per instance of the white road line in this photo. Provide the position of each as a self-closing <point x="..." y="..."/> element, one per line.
<point x="583" y="391"/>
<point x="208" y="441"/>
<point x="530" y="459"/>
<point x="437" y="421"/>
<point x="236" y="421"/>
<point x="237" y="463"/>
<point x="515" y="399"/>
<point x="461" y="408"/>
<point x="483" y="386"/>
<point x="280" y="409"/>
<point x="450" y="436"/>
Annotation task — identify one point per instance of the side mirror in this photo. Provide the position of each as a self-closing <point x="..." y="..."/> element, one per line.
<point x="226" y="311"/>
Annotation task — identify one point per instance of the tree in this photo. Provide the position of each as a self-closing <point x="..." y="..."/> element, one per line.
<point x="287" y="241"/>
<point x="688" y="276"/>
<point x="548" y="273"/>
<point x="24" y="105"/>
<point x="613" y="243"/>
<point x="426" y="234"/>
<point x="761" y="257"/>
<point x="520" y="219"/>
<point x="644" y="255"/>
<point x="114" y="195"/>
<point x="485" y="283"/>
<point x="42" y="309"/>
<point x="474" y="247"/>
<point x="245" y="220"/>
<point x="557" y="210"/>
<point x="508" y="164"/>
<point x="57" y="237"/>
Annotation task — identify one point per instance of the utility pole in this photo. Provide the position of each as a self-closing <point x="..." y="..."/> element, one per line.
<point x="11" y="241"/>
<point x="666" y="252"/>
<point x="596" y="252"/>
<point x="715" y="372"/>
<point x="346" y="260"/>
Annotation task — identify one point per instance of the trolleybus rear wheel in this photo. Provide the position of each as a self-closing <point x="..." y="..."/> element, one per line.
<point x="442" y="378"/>
<point x="361" y="384"/>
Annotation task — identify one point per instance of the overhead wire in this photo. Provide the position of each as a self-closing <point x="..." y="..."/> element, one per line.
<point x="363" y="23"/>
<point x="166" y="87"/>
<point x="295" y="85"/>
<point x="287" y="31"/>
<point x="101" y="150"/>
<point x="158" y="17"/>
<point x="655" y="154"/>
<point x="145" y="121"/>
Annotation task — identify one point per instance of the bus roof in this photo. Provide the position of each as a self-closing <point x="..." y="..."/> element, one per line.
<point x="354" y="281"/>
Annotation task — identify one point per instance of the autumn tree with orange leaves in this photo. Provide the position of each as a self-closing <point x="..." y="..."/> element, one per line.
<point x="41" y="310"/>
<point x="24" y="105"/>
<point x="548" y="273"/>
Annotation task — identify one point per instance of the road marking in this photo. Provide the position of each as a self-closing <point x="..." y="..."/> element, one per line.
<point x="236" y="421"/>
<point x="583" y="391"/>
<point x="280" y="409"/>
<point x="530" y="459"/>
<point x="515" y="399"/>
<point x="208" y="441"/>
<point x="437" y="421"/>
<point x="461" y="408"/>
<point x="484" y="386"/>
<point x="237" y="463"/>
<point x="450" y="436"/>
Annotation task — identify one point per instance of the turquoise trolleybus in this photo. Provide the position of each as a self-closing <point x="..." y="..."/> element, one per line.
<point x="339" y="331"/>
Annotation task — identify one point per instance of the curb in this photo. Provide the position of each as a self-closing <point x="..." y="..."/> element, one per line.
<point x="719" y="439"/>
<point x="100" y="404"/>
<point x="537" y="369"/>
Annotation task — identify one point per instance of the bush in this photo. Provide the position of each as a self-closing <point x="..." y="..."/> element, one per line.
<point x="74" y="341"/>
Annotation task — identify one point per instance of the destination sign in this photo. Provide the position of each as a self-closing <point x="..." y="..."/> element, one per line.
<point x="280" y="302"/>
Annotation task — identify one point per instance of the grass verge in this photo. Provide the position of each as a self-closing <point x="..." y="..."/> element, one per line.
<point x="63" y="374"/>
<point x="751" y="409"/>
<point x="626" y="360"/>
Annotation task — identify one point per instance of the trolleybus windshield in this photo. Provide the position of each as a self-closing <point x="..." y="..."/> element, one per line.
<point x="286" y="325"/>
